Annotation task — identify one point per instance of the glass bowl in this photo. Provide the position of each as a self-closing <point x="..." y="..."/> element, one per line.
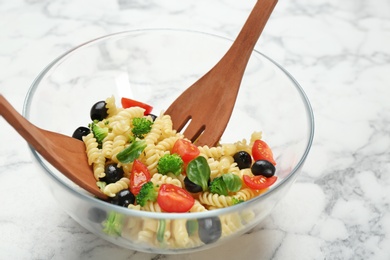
<point x="154" y="66"/>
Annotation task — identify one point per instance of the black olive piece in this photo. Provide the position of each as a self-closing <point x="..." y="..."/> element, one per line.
<point x="263" y="167"/>
<point x="192" y="187"/>
<point x="123" y="198"/>
<point x="113" y="173"/>
<point x="96" y="215"/>
<point x="243" y="159"/>
<point x="99" y="111"/>
<point x="80" y="132"/>
<point x="210" y="229"/>
<point x="153" y="117"/>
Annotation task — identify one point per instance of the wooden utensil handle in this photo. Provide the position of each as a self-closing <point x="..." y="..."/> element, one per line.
<point x="26" y="129"/>
<point x="241" y="50"/>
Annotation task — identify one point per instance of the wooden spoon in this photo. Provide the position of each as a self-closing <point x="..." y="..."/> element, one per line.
<point x="204" y="109"/>
<point x="65" y="153"/>
<point x="208" y="103"/>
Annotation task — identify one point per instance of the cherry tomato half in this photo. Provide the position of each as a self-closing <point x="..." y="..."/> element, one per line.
<point x="185" y="149"/>
<point x="259" y="182"/>
<point x="139" y="176"/>
<point x="172" y="198"/>
<point x="127" y="102"/>
<point x="261" y="151"/>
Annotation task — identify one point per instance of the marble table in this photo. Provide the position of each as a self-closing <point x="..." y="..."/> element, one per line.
<point x="339" y="51"/>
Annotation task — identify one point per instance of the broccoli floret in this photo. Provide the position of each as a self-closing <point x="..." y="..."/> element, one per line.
<point x="141" y="126"/>
<point x="113" y="224"/>
<point x="147" y="193"/>
<point x="236" y="201"/>
<point x="218" y="186"/>
<point x="170" y="163"/>
<point x="98" y="132"/>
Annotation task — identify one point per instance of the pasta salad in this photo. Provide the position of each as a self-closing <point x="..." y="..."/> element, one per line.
<point x="140" y="162"/>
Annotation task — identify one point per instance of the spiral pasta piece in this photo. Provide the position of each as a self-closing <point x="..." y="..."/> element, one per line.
<point x="121" y="127"/>
<point x="126" y="115"/>
<point x="214" y="168"/>
<point x="215" y="200"/>
<point x="107" y="148"/>
<point x="135" y="207"/>
<point x="229" y="149"/>
<point x="133" y="225"/>
<point x="255" y="136"/>
<point x="113" y="188"/>
<point x="242" y="172"/>
<point x="179" y="232"/>
<point x="151" y="160"/>
<point x="197" y="207"/>
<point x="211" y="152"/>
<point x="146" y="236"/>
<point x="159" y="179"/>
<point x="243" y="146"/>
<point x="248" y="215"/>
<point x="226" y="164"/>
<point x="245" y="194"/>
<point x="155" y="133"/>
<point x="151" y="206"/>
<point x="167" y="143"/>
<point x="99" y="167"/>
<point x="230" y="224"/>
<point x="118" y="145"/>
<point x="111" y="106"/>
<point x="91" y="148"/>
<point x="167" y="127"/>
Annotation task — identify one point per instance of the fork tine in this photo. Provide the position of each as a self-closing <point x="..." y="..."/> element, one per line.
<point x="208" y="137"/>
<point x="194" y="130"/>
<point x="180" y="124"/>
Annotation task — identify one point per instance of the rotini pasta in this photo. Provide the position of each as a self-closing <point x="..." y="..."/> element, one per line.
<point x="230" y="223"/>
<point x="111" y="106"/>
<point x="245" y="194"/>
<point x="180" y="233"/>
<point x="118" y="145"/>
<point x="98" y="166"/>
<point x="159" y="179"/>
<point x="91" y="148"/>
<point x="113" y="188"/>
<point x="215" y="200"/>
<point x="197" y="207"/>
<point x="151" y="206"/>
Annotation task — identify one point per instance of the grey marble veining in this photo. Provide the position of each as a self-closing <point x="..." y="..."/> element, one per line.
<point x="337" y="50"/>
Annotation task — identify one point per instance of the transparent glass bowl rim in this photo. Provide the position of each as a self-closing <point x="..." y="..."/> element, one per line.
<point x="145" y="214"/>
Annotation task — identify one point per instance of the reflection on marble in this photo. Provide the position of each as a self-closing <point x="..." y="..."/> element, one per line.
<point x="337" y="50"/>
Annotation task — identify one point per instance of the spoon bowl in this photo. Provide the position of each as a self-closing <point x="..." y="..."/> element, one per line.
<point x="65" y="153"/>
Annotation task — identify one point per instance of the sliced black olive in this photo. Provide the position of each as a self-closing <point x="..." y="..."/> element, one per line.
<point x="80" y="132"/>
<point x="153" y="117"/>
<point x="99" y="111"/>
<point x="210" y="229"/>
<point x="191" y="187"/>
<point x="123" y="198"/>
<point x="263" y="167"/>
<point x="113" y="173"/>
<point x="96" y="215"/>
<point x="243" y="159"/>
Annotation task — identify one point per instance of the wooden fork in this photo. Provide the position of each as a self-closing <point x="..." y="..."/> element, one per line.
<point x="204" y="109"/>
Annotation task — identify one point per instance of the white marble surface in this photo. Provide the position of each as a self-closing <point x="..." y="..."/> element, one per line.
<point x="338" y="50"/>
